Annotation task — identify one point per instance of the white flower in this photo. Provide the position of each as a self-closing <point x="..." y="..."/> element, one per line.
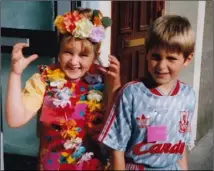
<point x="95" y="95"/>
<point x="72" y="143"/>
<point x="62" y="97"/>
<point x="61" y="103"/>
<point x="58" y="83"/>
<point x="83" y="28"/>
<point x="85" y="157"/>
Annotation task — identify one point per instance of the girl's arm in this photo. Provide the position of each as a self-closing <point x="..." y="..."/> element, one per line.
<point x="117" y="160"/>
<point x="112" y="80"/>
<point x="183" y="161"/>
<point x="16" y="114"/>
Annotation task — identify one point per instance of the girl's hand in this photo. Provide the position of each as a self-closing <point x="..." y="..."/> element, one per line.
<point x="19" y="62"/>
<point x="112" y="74"/>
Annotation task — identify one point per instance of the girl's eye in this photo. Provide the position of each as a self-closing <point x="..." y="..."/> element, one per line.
<point x="84" y="55"/>
<point x="67" y="52"/>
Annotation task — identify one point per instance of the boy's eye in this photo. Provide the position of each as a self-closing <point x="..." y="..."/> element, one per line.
<point x="156" y="57"/>
<point x="172" y="58"/>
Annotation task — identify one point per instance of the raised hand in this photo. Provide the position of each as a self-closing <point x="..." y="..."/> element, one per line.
<point x="18" y="61"/>
<point x="112" y="74"/>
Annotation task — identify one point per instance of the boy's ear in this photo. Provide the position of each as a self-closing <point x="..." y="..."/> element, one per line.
<point x="188" y="59"/>
<point x="147" y="55"/>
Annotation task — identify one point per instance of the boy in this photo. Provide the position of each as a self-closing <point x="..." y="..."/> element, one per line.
<point x="148" y="126"/>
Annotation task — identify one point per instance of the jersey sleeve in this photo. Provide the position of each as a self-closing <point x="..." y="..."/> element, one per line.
<point x="33" y="93"/>
<point x="188" y="139"/>
<point x="117" y="129"/>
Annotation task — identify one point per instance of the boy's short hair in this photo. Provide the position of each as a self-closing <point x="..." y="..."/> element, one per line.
<point x="172" y="32"/>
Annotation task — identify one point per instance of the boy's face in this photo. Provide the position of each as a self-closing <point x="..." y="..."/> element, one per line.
<point x="73" y="61"/>
<point x="165" y="66"/>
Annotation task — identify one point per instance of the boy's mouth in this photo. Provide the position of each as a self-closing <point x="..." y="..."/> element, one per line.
<point x="161" y="73"/>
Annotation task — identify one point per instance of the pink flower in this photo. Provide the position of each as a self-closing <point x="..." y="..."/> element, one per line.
<point x="98" y="34"/>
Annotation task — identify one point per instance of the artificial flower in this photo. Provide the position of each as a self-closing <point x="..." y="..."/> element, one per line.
<point x="94" y="95"/>
<point x="69" y="21"/>
<point x="86" y="157"/>
<point x="97" y="34"/>
<point x="83" y="28"/>
<point x="71" y="133"/>
<point x="68" y="124"/>
<point x="54" y="75"/>
<point x="72" y="143"/>
<point x="59" y="23"/>
<point x="93" y="78"/>
<point x="98" y="86"/>
<point x="58" y="83"/>
<point x="97" y="21"/>
<point x="70" y="160"/>
<point x="94" y="106"/>
<point x="62" y="97"/>
<point x="79" y="152"/>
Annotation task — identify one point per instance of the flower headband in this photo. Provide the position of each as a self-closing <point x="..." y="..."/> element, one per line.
<point x="80" y="26"/>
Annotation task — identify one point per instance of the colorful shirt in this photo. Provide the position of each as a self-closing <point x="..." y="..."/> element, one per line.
<point x="151" y="129"/>
<point x="71" y="118"/>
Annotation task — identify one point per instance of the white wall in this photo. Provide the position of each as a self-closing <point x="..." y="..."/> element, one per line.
<point x="195" y="12"/>
<point x="187" y="9"/>
<point x="105" y="8"/>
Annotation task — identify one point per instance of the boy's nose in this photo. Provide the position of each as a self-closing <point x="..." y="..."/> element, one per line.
<point x="161" y="65"/>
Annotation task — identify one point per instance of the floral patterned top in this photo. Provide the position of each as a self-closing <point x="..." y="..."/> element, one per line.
<point x="70" y="121"/>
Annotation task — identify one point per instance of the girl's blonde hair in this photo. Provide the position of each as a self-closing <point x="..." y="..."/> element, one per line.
<point x="173" y="33"/>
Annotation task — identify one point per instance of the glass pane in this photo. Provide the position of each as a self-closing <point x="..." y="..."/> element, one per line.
<point x="21" y="140"/>
<point x="36" y="15"/>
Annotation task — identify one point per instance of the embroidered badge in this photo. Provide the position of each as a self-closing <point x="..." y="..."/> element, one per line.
<point x="142" y="121"/>
<point x="184" y="123"/>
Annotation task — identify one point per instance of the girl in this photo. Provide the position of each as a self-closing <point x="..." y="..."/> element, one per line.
<point x="69" y="95"/>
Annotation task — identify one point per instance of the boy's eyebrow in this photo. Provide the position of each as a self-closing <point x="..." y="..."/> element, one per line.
<point x="155" y="54"/>
<point x="170" y="56"/>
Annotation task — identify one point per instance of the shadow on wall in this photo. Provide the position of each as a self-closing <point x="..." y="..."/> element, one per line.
<point x="205" y="119"/>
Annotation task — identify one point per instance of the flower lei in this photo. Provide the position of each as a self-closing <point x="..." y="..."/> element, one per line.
<point x="61" y="90"/>
<point x="80" y="26"/>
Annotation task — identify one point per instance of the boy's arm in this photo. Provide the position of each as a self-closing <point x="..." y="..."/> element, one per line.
<point x="117" y="160"/>
<point x="183" y="161"/>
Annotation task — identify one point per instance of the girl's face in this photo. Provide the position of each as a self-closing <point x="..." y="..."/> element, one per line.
<point x="75" y="58"/>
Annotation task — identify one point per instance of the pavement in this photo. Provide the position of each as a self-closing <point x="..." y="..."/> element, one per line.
<point x="201" y="156"/>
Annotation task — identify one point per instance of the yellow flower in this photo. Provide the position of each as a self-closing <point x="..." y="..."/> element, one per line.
<point x="71" y="133"/>
<point x="59" y="23"/>
<point x="70" y="160"/>
<point x="69" y="124"/>
<point x="54" y="75"/>
<point x="94" y="106"/>
<point x="83" y="28"/>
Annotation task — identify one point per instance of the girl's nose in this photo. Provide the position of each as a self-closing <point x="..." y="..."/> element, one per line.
<point x="74" y="60"/>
